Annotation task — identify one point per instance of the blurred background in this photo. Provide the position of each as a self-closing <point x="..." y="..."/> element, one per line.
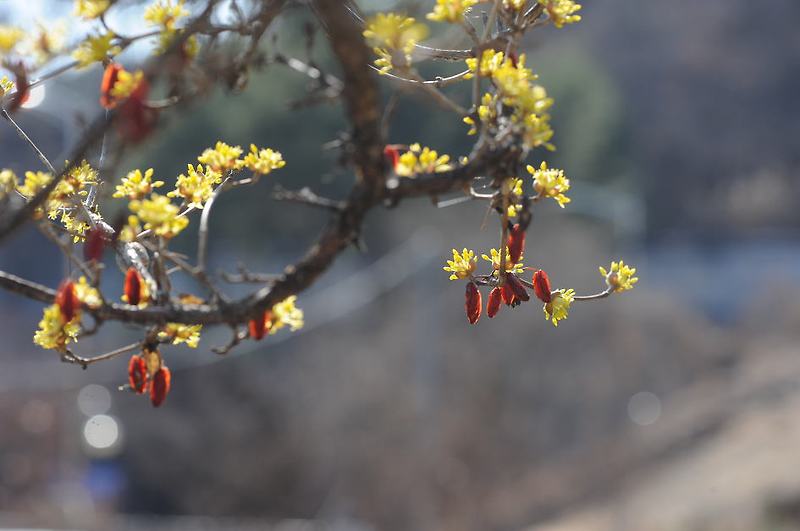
<point x="672" y="407"/>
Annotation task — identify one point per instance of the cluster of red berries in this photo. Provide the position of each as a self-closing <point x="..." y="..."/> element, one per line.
<point x="155" y="380"/>
<point x="512" y="292"/>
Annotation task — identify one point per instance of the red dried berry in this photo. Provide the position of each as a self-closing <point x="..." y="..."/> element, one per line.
<point x="392" y="154"/>
<point x="137" y="374"/>
<point x="133" y="286"/>
<point x="541" y="286"/>
<point x="493" y="305"/>
<point x="473" y="304"/>
<point x="94" y="245"/>
<point x="517" y="288"/>
<point x="516" y="243"/>
<point x="259" y="327"/>
<point x="507" y="294"/>
<point x="159" y="388"/>
<point x="109" y="80"/>
<point x="67" y="300"/>
<point x="136" y="119"/>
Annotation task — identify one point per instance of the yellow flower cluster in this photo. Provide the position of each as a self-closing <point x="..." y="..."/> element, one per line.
<point x="126" y="83"/>
<point x="562" y="12"/>
<point x="197" y="185"/>
<point x="223" y="157"/>
<point x="463" y="265"/>
<point x="166" y="13"/>
<point x="54" y="332"/>
<point x="495" y="261"/>
<point x="517" y="90"/>
<point x="136" y="185"/>
<point x="513" y="186"/>
<point x="8" y="182"/>
<point x="159" y="215"/>
<point x="487" y="113"/>
<point x="181" y="333"/>
<point x="393" y="37"/>
<point x="285" y="313"/>
<point x="91" y="9"/>
<point x="95" y="48"/>
<point x="619" y="276"/>
<point x="452" y="11"/>
<point x="550" y="182"/>
<point x="62" y="200"/>
<point x="6" y="85"/>
<point x="421" y="160"/>
<point x="10" y="36"/>
<point x="262" y="161"/>
<point x="558" y="307"/>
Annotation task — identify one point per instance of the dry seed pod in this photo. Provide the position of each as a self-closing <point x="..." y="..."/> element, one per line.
<point x="516" y="243"/>
<point x="473" y="303"/>
<point x="493" y="305"/>
<point x="541" y="286"/>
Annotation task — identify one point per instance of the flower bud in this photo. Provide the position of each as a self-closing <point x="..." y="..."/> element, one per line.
<point x="541" y="286"/>
<point x="516" y="243"/>
<point x="473" y="303"/>
<point x="160" y="386"/>
<point x="133" y="286"/>
<point x="517" y="288"/>
<point x="137" y="374"/>
<point x="493" y="305"/>
<point x="67" y="300"/>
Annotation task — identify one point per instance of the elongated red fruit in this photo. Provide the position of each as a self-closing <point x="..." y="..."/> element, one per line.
<point x="259" y="327"/>
<point x="94" y="244"/>
<point x="507" y="295"/>
<point x="109" y="80"/>
<point x="159" y="388"/>
<point x="137" y="374"/>
<point x="495" y="298"/>
<point x="473" y="304"/>
<point x="516" y="243"/>
<point x="67" y="300"/>
<point x="541" y="286"/>
<point x="517" y="288"/>
<point x="133" y="286"/>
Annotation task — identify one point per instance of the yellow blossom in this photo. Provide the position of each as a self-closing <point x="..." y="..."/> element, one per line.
<point x="222" y="157"/>
<point x="462" y="265"/>
<point x="558" y="307"/>
<point x="137" y="186"/>
<point x="95" y="48"/>
<point x="550" y="182"/>
<point x="263" y="161"/>
<point x="159" y="215"/>
<point x="487" y="112"/>
<point x="421" y="160"/>
<point x="495" y="260"/>
<point x="562" y="12"/>
<point x="34" y="181"/>
<point x="72" y="224"/>
<point x="126" y="83"/>
<point x="514" y="187"/>
<point x="619" y="276"/>
<point x="490" y="61"/>
<point x="450" y="10"/>
<point x="53" y="333"/>
<point x="6" y="85"/>
<point x="46" y="42"/>
<point x="10" y="36"/>
<point x="285" y="313"/>
<point x="8" y="182"/>
<point x="90" y="9"/>
<point x="165" y="13"/>
<point x="391" y="32"/>
<point x="131" y="229"/>
<point x="181" y="333"/>
<point x="197" y="185"/>
<point x="87" y="294"/>
<point x="516" y="5"/>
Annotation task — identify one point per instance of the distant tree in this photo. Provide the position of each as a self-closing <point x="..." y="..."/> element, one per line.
<point x="195" y="49"/>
